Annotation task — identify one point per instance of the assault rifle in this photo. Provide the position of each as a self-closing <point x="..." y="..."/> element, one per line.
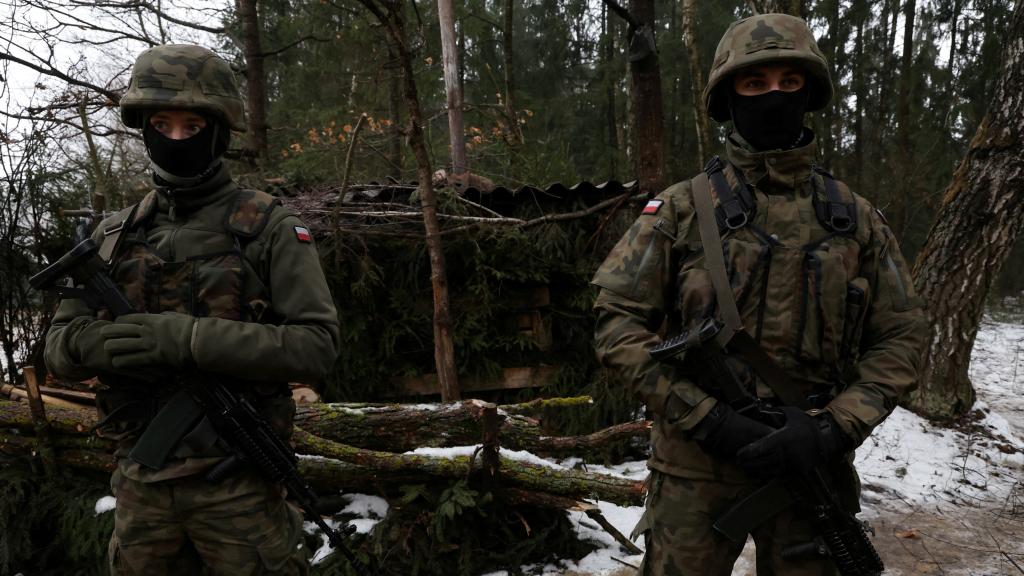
<point x="247" y="433"/>
<point x="841" y="536"/>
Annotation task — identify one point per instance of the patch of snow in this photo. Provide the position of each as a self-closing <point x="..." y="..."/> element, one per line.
<point x="454" y="451"/>
<point x="105" y="504"/>
<point x="369" y="511"/>
<point x="365" y="506"/>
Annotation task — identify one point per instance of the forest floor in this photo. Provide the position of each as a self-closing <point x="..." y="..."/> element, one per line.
<point x="941" y="500"/>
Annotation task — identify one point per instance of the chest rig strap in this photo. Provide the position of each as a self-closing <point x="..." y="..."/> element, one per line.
<point x="834" y="205"/>
<point x="733" y="334"/>
<point x="837" y="210"/>
<point x="736" y="207"/>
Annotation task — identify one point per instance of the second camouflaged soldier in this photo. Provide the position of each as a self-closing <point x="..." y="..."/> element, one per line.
<point x="815" y="278"/>
<point x="227" y="282"/>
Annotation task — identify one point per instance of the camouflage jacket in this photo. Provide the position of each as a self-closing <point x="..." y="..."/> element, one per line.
<point x="246" y="268"/>
<point x="791" y="291"/>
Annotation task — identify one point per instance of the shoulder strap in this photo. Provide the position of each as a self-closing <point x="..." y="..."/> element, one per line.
<point x="249" y="213"/>
<point x="732" y="333"/>
<point x="113" y="232"/>
<point x="837" y="212"/>
<point x="735" y="208"/>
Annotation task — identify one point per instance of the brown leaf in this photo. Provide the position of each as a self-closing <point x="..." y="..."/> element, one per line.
<point x="909" y="534"/>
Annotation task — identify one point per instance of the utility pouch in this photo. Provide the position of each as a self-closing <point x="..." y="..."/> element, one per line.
<point x="858" y="297"/>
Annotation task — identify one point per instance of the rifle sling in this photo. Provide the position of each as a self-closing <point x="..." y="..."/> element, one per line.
<point x="168" y="427"/>
<point x="733" y="333"/>
<point x="112" y="234"/>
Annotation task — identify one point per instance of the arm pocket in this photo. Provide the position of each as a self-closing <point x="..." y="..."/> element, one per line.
<point x="858" y="295"/>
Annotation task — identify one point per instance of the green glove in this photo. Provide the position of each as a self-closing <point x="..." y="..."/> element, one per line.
<point x="87" y="347"/>
<point x="136" y="340"/>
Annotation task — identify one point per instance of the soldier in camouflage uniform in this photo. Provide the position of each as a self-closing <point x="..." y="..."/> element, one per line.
<point x="228" y="283"/>
<point x="819" y="284"/>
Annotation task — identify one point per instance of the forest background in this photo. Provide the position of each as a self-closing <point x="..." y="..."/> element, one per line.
<point x="554" y="91"/>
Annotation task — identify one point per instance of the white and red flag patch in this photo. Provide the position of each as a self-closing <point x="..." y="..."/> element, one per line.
<point x="303" y="234"/>
<point x="652" y="207"/>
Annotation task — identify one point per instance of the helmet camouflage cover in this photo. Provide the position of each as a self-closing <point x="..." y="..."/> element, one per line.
<point x="760" y="40"/>
<point x="185" y="77"/>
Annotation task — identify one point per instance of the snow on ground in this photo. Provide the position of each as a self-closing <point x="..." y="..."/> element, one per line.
<point x="363" y="511"/>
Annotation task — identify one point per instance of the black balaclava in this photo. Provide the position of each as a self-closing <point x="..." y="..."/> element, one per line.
<point x="770" y="121"/>
<point x="190" y="161"/>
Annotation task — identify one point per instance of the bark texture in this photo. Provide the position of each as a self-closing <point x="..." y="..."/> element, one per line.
<point x="452" y="85"/>
<point x="255" y="79"/>
<point x="982" y="213"/>
<point x="648" y="107"/>
<point x="697" y="80"/>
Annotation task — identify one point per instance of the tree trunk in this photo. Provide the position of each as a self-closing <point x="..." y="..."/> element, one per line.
<point x="99" y="192"/>
<point x="648" y="109"/>
<point x="508" y="48"/>
<point x="898" y="212"/>
<point x="255" y="79"/>
<point x="860" y="93"/>
<point x="981" y="215"/>
<point x="612" y="144"/>
<point x="700" y="117"/>
<point x="394" y="72"/>
<point x="390" y="17"/>
<point x="452" y="87"/>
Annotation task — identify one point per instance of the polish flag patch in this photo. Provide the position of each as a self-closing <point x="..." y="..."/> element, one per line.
<point x="303" y="234"/>
<point x="652" y="207"/>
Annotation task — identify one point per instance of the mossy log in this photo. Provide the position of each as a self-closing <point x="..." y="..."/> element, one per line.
<point x="515" y="473"/>
<point x="386" y="427"/>
<point x="329" y="465"/>
<point x="405" y="427"/>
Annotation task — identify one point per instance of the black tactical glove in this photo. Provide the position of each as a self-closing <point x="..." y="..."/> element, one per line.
<point x="801" y="444"/>
<point x="724" y="431"/>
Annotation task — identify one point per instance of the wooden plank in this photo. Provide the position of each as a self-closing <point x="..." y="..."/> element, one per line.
<point x="511" y="379"/>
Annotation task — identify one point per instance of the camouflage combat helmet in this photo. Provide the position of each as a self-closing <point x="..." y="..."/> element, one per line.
<point x="759" y="40"/>
<point x="186" y="77"/>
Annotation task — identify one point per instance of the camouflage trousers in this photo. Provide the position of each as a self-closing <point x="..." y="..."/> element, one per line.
<point x="681" y="542"/>
<point x="188" y="526"/>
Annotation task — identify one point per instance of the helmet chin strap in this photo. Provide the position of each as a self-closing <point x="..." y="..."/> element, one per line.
<point x="183" y="181"/>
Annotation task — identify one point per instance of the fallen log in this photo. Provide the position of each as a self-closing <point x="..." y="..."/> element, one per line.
<point x="332" y="467"/>
<point x="405" y="427"/>
<point x="389" y="427"/>
<point x="516" y="473"/>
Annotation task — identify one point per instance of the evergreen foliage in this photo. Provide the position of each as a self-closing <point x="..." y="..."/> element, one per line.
<point x="48" y="524"/>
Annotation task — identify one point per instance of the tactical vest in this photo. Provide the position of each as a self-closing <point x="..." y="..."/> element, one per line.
<point x="203" y="285"/>
<point x="804" y="304"/>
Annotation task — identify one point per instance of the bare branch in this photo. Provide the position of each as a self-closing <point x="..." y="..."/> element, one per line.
<point x="55" y="73"/>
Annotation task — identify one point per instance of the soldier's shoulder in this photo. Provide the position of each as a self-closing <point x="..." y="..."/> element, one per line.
<point x="252" y="212"/>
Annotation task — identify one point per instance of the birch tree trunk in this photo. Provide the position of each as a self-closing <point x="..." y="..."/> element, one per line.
<point x="697" y="81"/>
<point x="255" y="79"/>
<point x="981" y="215"/>
<point x="452" y="85"/>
